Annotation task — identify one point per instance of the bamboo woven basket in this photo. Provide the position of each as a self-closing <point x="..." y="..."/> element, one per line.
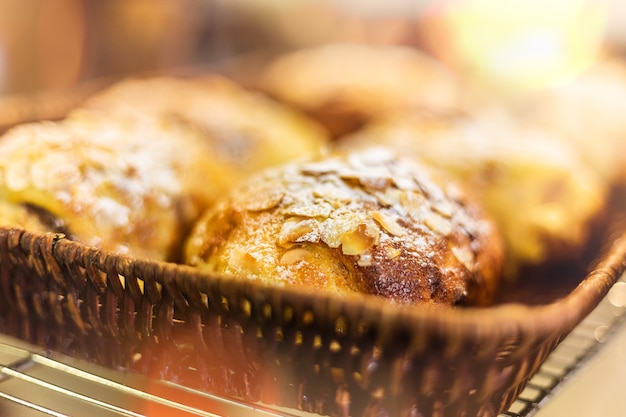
<point x="284" y="347"/>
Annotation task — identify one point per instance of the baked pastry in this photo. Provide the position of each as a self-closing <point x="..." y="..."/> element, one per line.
<point x="589" y="112"/>
<point x="245" y="130"/>
<point x="343" y="85"/>
<point x="353" y="224"/>
<point x="28" y="217"/>
<point x="125" y="185"/>
<point x="543" y="196"/>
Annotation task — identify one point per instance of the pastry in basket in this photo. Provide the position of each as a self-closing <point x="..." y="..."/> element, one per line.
<point x="589" y="110"/>
<point x="365" y="223"/>
<point x="245" y="129"/>
<point x="125" y="185"/>
<point x="28" y="217"/>
<point x="536" y="186"/>
<point x="343" y="85"/>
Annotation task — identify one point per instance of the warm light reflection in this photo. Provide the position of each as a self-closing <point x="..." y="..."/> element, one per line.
<point x="517" y="44"/>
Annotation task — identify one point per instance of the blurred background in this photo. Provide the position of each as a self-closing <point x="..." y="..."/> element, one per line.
<point x="54" y="45"/>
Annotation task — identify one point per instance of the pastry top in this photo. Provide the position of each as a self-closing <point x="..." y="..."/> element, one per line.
<point x="359" y="223"/>
<point x="345" y="84"/>
<point x="535" y="185"/>
<point x="244" y="129"/>
<point x="27" y="217"/>
<point x="589" y="112"/>
<point x="124" y="185"/>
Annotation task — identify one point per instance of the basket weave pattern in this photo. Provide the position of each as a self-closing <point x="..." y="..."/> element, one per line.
<point x="287" y="347"/>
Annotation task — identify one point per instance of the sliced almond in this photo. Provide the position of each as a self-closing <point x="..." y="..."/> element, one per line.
<point x="387" y="222"/>
<point x="388" y="198"/>
<point x="405" y="183"/>
<point x="375" y="183"/>
<point x="357" y="241"/>
<point x="293" y="256"/>
<point x="298" y="230"/>
<point x="246" y="259"/>
<point x="333" y="228"/>
<point x="333" y="193"/>
<point x="365" y="260"/>
<point x="312" y="209"/>
<point x="265" y="199"/>
<point x="392" y="252"/>
<point x="444" y="208"/>
<point x="321" y="167"/>
<point x="465" y="256"/>
<point x="415" y="204"/>
<point x="438" y="223"/>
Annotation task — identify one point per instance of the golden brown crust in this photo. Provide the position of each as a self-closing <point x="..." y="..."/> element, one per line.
<point x="358" y="223"/>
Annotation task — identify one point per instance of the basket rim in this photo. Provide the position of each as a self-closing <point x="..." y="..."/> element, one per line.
<point x="501" y="320"/>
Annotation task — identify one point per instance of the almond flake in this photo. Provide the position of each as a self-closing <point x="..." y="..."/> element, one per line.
<point x="392" y="252"/>
<point x="356" y="241"/>
<point x="293" y="256"/>
<point x="465" y="256"/>
<point x="266" y="199"/>
<point x="375" y="183"/>
<point x="387" y="222"/>
<point x="439" y="224"/>
<point x="365" y="260"/>
<point x="321" y="167"/>
<point x="311" y="209"/>
<point x="444" y="208"/>
<point x="297" y="230"/>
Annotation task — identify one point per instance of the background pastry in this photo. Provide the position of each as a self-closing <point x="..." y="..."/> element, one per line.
<point x="244" y="129"/>
<point x="589" y="112"/>
<point x="28" y="217"/>
<point x="536" y="186"/>
<point x="125" y="185"/>
<point x="361" y="223"/>
<point x="343" y="85"/>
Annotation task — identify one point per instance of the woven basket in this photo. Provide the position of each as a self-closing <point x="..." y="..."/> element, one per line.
<point x="276" y="346"/>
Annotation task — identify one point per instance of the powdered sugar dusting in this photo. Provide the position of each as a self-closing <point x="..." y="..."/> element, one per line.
<point x="384" y="219"/>
<point x="109" y="178"/>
